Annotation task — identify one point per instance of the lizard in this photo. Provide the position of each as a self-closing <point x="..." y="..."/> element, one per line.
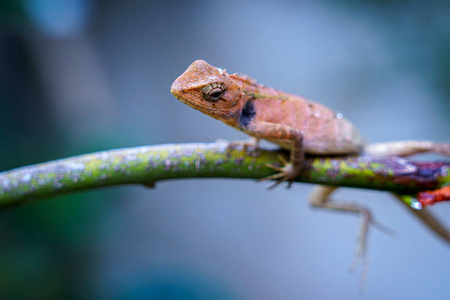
<point x="296" y="124"/>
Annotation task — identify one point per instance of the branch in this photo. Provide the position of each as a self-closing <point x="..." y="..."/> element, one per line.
<point x="148" y="164"/>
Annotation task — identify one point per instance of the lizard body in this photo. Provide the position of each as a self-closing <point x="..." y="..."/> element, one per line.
<point x="249" y="107"/>
<point x="294" y="123"/>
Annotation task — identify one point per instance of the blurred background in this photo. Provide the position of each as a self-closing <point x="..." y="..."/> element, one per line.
<point x="79" y="76"/>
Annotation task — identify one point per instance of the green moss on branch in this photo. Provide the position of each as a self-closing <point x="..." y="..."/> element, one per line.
<point x="148" y="164"/>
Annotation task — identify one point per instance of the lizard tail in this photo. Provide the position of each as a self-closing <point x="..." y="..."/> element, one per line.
<point x="429" y="220"/>
<point x="407" y="148"/>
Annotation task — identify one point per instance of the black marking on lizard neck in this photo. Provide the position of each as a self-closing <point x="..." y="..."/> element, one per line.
<point x="247" y="114"/>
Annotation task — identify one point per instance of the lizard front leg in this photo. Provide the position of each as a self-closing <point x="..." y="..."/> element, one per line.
<point x="278" y="132"/>
<point x="250" y="145"/>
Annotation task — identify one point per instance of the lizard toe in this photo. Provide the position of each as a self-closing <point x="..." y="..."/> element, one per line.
<point x="287" y="173"/>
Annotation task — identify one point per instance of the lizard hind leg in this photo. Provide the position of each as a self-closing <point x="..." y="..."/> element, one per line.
<point x="320" y="198"/>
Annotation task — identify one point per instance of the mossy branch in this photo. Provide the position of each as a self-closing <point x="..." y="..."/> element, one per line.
<point x="148" y="164"/>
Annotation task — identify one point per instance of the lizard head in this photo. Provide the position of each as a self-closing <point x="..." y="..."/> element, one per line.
<point x="210" y="90"/>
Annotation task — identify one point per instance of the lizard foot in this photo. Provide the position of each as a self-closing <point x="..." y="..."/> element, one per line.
<point x="287" y="173"/>
<point x="250" y="146"/>
<point x="320" y="198"/>
<point x="360" y="253"/>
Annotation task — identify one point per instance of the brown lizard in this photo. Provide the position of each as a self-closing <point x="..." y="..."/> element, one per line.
<point x="296" y="124"/>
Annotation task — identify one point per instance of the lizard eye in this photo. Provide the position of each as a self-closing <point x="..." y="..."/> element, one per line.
<point x="214" y="91"/>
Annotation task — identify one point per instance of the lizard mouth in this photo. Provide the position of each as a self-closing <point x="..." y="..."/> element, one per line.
<point x="175" y="93"/>
<point x="191" y="103"/>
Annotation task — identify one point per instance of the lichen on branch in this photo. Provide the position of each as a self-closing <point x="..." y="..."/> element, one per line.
<point x="149" y="164"/>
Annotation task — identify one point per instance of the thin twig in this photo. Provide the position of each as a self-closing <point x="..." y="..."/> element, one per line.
<point x="148" y="164"/>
